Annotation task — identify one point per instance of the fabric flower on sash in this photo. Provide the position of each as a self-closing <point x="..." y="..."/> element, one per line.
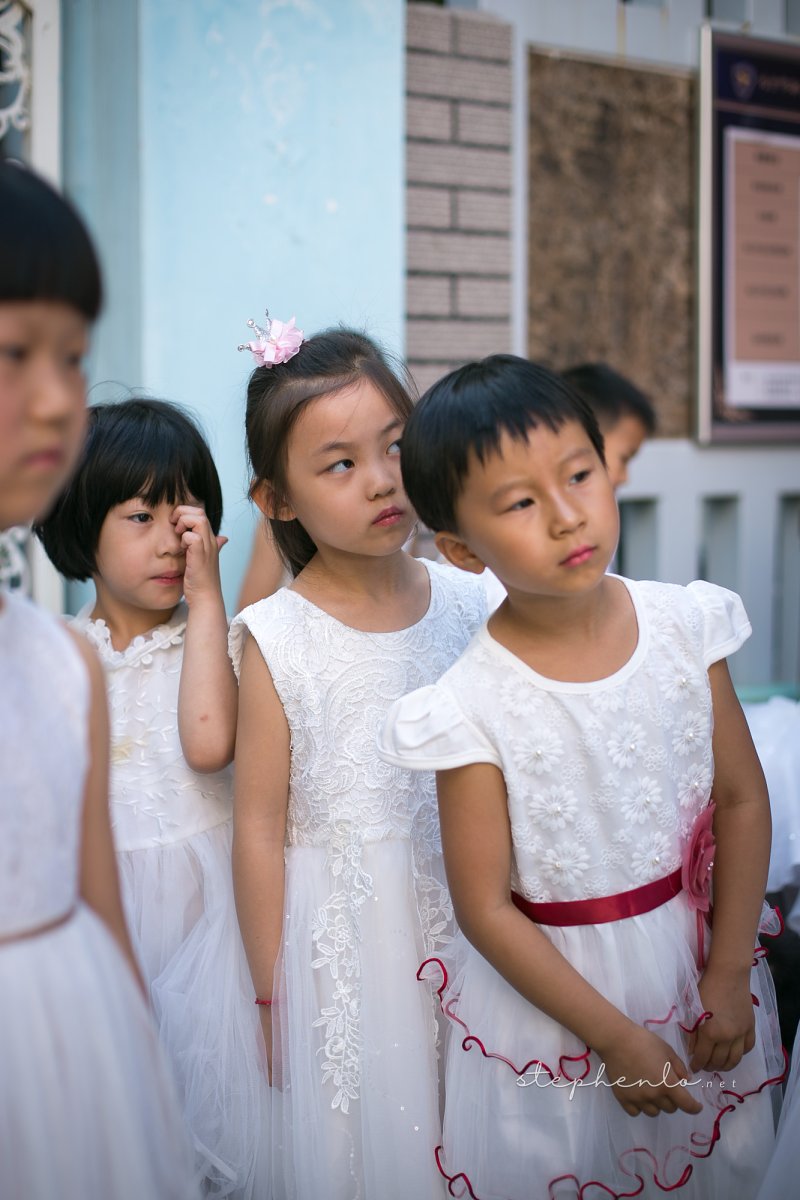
<point x="696" y="868"/>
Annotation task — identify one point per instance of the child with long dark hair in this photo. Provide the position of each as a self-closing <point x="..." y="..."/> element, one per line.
<point x="338" y="877"/>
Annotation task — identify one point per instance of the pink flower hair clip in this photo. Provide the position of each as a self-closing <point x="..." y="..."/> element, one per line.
<point x="276" y="343"/>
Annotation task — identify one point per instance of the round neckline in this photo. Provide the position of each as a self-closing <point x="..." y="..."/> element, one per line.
<point x="99" y="634"/>
<point x="590" y="685"/>
<point x="376" y="633"/>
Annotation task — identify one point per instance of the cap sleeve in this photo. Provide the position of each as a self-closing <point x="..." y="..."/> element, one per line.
<point x="426" y="731"/>
<point x="726" y="626"/>
<point x="237" y="635"/>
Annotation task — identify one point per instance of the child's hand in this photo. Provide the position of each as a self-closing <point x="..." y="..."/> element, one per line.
<point x="720" y="1042"/>
<point x="201" y="547"/>
<point x="646" y="1073"/>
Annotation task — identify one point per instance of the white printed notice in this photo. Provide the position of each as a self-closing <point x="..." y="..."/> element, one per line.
<point x="762" y="269"/>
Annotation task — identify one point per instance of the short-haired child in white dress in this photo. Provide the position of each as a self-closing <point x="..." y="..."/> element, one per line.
<point x="141" y="518"/>
<point x="576" y="744"/>
<point x="87" y="1108"/>
<point x="337" y="860"/>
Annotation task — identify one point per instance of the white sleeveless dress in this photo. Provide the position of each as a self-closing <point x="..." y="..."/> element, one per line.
<point x="172" y="833"/>
<point x="87" y="1108"/>
<point x="606" y="781"/>
<point x="355" y="1095"/>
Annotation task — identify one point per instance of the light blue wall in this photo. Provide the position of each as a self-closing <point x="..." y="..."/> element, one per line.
<point x="264" y="166"/>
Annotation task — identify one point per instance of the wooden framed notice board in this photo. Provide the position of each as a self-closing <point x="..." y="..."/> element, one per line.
<point x="749" y="240"/>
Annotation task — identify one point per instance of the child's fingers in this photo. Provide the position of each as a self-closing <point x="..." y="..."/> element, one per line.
<point x="180" y="509"/>
<point x="190" y="538"/>
<point x="709" y="1054"/>
<point x="683" y="1099"/>
<point x="724" y="1055"/>
<point x="197" y="525"/>
<point x="650" y="1106"/>
<point x="188" y="517"/>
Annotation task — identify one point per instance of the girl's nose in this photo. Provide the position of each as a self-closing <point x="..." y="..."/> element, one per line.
<point x="57" y="397"/>
<point x="169" y="542"/>
<point x="383" y="479"/>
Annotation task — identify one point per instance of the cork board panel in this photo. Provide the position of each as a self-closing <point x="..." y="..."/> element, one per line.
<point x="611" y="225"/>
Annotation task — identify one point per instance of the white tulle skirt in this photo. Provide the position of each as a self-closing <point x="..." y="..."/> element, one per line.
<point x="782" y="1179"/>
<point x="180" y="906"/>
<point x="87" y="1106"/>
<point x="355" y="1095"/>
<point x="775" y="727"/>
<point x="528" y="1113"/>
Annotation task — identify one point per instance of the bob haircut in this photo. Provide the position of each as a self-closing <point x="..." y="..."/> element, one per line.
<point x="138" y="447"/>
<point x="465" y="415"/>
<point x="611" y="395"/>
<point x="45" y="250"/>
<point x="276" y="396"/>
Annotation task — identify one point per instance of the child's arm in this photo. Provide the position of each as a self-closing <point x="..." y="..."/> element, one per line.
<point x="98" y="881"/>
<point x="261" y="790"/>
<point x="208" y="696"/>
<point x="742" y="828"/>
<point x="477" y="848"/>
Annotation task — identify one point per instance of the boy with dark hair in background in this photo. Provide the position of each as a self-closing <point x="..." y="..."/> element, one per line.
<point x="625" y="414"/>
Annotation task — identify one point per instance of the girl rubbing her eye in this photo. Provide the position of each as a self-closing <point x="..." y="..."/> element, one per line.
<point x="337" y="865"/>
<point x="576" y="743"/>
<point x="87" y="1109"/>
<point x="141" y="519"/>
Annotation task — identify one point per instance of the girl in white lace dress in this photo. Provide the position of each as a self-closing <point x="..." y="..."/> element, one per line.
<point x="337" y="863"/>
<point x="87" y="1109"/>
<point x="576" y="743"/>
<point x="141" y="518"/>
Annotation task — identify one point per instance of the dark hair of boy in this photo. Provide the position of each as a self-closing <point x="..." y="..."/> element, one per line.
<point x="136" y="448"/>
<point x="611" y="395"/>
<point x="466" y="414"/>
<point x="276" y="397"/>
<point x="45" y="250"/>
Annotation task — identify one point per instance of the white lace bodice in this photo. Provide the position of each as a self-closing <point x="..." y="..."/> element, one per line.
<point x="44" y="711"/>
<point x="335" y="684"/>
<point x="604" y="779"/>
<point x="155" y="797"/>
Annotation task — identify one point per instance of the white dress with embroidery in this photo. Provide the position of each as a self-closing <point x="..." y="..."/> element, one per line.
<point x="605" y="782"/>
<point x="87" y="1107"/>
<point x="172" y="832"/>
<point x="355" y="1095"/>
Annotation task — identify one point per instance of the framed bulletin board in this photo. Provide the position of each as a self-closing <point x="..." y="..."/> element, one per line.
<point x="749" y="240"/>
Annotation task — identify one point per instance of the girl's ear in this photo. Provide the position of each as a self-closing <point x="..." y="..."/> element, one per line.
<point x="263" y="496"/>
<point x="457" y="552"/>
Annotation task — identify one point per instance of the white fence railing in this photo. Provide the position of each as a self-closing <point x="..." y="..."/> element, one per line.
<point x="731" y="516"/>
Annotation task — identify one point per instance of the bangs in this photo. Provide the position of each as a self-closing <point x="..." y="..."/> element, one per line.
<point x="45" y="250"/>
<point x="171" y="462"/>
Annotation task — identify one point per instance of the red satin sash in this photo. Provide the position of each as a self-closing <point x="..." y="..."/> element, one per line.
<point x="604" y="909"/>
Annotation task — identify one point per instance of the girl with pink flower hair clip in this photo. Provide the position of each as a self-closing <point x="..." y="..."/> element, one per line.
<point x="275" y="343"/>
<point x="576" y="743"/>
<point x="337" y="865"/>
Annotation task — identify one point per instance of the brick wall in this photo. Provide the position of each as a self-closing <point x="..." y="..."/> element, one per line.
<point x="458" y="109"/>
